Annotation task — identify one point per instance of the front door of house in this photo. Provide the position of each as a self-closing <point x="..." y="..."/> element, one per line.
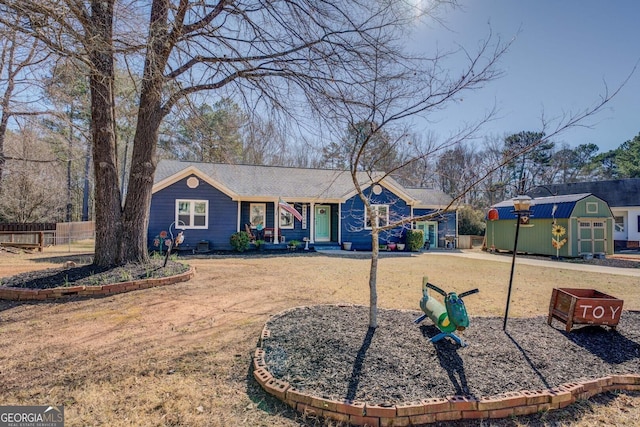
<point x="429" y="232"/>
<point x="322" y="223"/>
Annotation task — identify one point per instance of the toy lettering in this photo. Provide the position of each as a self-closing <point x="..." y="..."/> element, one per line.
<point x="599" y="311"/>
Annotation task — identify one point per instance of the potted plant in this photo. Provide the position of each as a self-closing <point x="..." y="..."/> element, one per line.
<point x="346" y="246"/>
<point x="400" y="246"/>
<point x="391" y="246"/>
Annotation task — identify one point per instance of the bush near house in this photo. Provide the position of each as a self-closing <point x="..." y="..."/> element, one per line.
<point x="471" y="221"/>
<point x="240" y="241"/>
<point x="415" y="240"/>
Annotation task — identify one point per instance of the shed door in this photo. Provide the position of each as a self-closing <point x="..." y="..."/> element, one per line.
<point x="592" y="236"/>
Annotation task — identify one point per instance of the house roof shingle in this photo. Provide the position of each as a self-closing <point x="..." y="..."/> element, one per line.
<point x="617" y="193"/>
<point x="265" y="181"/>
<point x="292" y="184"/>
<point x="430" y="198"/>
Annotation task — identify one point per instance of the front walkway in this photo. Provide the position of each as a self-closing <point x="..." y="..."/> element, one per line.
<point x="497" y="257"/>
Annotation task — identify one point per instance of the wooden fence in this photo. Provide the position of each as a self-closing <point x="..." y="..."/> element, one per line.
<point x="38" y="226"/>
<point x="468" y="242"/>
<point x="38" y="236"/>
<point x="69" y="232"/>
<point x="26" y="239"/>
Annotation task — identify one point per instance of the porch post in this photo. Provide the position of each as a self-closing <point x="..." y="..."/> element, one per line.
<point x="312" y="222"/>
<point x="239" y="225"/>
<point x="340" y="223"/>
<point x="276" y="221"/>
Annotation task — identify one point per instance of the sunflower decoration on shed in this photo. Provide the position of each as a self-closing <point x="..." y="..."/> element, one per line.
<point x="557" y="240"/>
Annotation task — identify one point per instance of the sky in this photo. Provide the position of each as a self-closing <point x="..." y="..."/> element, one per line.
<point x="565" y="55"/>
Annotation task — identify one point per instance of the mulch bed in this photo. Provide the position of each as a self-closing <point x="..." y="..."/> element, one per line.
<point x="329" y="351"/>
<point x="92" y="275"/>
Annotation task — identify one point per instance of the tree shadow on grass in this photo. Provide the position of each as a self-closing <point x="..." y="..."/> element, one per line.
<point x="85" y="258"/>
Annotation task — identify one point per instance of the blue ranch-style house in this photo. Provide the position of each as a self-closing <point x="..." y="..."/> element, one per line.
<point x="211" y="201"/>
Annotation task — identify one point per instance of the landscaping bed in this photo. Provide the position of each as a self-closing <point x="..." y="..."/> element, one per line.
<point x="328" y="351"/>
<point x="92" y="275"/>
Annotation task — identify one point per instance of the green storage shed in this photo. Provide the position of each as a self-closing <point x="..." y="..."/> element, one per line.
<point x="573" y="225"/>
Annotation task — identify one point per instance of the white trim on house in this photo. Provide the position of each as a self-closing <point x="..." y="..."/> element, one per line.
<point x="191" y="170"/>
<point x="631" y="215"/>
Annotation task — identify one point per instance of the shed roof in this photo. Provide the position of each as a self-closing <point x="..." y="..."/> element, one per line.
<point x="617" y="192"/>
<point x="543" y="207"/>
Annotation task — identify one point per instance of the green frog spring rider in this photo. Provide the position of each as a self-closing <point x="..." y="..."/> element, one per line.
<point x="448" y="318"/>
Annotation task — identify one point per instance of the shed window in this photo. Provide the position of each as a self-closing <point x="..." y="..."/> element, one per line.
<point x="381" y="215"/>
<point x="619" y="224"/>
<point x="592" y="208"/>
<point x="192" y="213"/>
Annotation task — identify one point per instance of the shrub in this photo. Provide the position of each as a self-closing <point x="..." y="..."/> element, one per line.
<point x="414" y="240"/>
<point x="240" y="241"/>
<point x="471" y="221"/>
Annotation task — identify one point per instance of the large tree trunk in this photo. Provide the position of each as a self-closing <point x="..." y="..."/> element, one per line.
<point x="143" y="159"/>
<point x="143" y="167"/>
<point x="107" y="192"/>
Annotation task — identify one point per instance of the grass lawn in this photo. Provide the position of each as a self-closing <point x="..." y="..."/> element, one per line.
<point x="180" y="355"/>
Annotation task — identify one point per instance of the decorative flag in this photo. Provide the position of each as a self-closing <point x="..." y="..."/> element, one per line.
<point x="287" y="207"/>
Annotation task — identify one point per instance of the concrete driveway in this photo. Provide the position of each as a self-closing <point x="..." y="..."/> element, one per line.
<point x="476" y="254"/>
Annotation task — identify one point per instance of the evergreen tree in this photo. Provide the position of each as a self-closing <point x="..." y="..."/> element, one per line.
<point x="530" y="159"/>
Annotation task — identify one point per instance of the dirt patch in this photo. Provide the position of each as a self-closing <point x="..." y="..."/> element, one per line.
<point x="329" y="351"/>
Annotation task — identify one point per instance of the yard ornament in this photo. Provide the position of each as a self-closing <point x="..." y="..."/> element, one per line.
<point x="449" y="317"/>
<point x="558" y="231"/>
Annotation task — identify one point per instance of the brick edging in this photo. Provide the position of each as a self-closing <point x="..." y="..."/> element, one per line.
<point x="21" y="294"/>
<point x="427" y="411"/>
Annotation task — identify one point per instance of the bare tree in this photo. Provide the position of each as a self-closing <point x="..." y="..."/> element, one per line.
<point x="456" y="166"/>
<point x="19" y="57"/>
<point x="390" y="93"/>
<point x="262" y="52"/>
<point x="34" y="177"/>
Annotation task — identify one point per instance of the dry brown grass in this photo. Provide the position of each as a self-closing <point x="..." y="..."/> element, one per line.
<point x="180" y="355"/>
